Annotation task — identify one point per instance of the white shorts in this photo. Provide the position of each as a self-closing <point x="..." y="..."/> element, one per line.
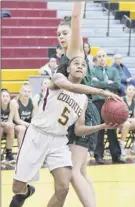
<point x="37" y="148"/>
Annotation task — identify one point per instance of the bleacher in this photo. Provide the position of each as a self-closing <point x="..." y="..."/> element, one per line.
<point x="123" y="8"/>
<point x="26" y="37"/>
<point x="12" y="79"/>
<point x="31" y="30"/>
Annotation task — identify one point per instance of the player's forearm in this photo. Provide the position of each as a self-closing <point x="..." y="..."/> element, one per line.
<point x="78" y="8"/>
<point x="26" y="124"/>
<point x="83" y="89"/>
<point x="60" y="81"/>
<point x="85" y="130"/>
<point x="21" y="122"/>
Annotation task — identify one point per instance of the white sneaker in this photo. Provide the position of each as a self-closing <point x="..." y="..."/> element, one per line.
<point x="122" y="147"/>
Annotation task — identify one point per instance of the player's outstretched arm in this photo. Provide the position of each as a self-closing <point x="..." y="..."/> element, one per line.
<point x="81" y="129"/>
<point x="61" y="81"/>
<point x="75" y="45"/>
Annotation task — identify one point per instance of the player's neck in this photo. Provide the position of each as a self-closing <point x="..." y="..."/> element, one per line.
<point x="74" y="80"/>
<point x="4" y="106"/>
<point x="24" y="101"/>
<point x="129" y="99"/>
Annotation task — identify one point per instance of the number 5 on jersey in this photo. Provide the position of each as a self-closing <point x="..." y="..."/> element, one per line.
<point x="64" y="117"/>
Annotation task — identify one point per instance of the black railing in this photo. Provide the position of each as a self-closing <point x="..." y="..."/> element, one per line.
<point x="128" y="23"/>
<point x="108" y="10"/>
<point x="108" y="19"/>
<point x="84" y="13"/>
<point x="104" y="9"/>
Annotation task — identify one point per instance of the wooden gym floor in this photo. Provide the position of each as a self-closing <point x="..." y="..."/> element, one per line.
<point x="114" y="187"/>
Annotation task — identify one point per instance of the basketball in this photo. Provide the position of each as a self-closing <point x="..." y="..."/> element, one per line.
<point x="115" y="112"/>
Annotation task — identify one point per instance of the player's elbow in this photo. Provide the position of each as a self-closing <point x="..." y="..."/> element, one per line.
<point x="78" y="131"/>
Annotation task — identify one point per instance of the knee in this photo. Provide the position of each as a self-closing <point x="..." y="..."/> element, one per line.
<point x="18" y="187"/>
<point x="20" y="128"/>
<point x="83" y="172"/>
<point x="75" y="174"/>
<point x="10" y="129"/>
<point x="62" y="190"/>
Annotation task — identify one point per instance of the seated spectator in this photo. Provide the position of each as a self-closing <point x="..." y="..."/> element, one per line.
<point x="130" y="123"/>
<point x="25" y="110"/>
<point x="124" y="73"/>
<point x="59" y="53"/>
<point x="50" y="68"/>
<point x="38" y="97"/>
<point x="7" y="126"/>
<point x="94" y="61"/>
<point x="87" y="51"/>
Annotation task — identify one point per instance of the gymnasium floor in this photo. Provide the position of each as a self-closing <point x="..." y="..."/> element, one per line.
<point x="114" y="186"/>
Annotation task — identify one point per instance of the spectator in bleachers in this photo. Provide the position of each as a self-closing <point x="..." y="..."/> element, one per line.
<point x="59" y="53"/>
<point x="87" y="50"/>
<point x="130" y="123"/>
<point x="25" y="110"/>
<point x="7" y="126"/>
<point x="38" y="97"/>
<point x="50" y="68"/>
<point x="124" y="73"/>
<point x="94" y="61"/>
<point x="106" y="78"/>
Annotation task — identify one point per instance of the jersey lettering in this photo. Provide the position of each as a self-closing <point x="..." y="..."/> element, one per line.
<point x="64" y="116"/>
<point x="71" y="102"/>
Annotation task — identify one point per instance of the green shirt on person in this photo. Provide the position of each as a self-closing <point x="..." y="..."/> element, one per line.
<point x="97" y="80"/>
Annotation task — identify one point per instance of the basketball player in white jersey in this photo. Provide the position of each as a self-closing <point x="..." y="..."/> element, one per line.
<point x="45" y="139"/>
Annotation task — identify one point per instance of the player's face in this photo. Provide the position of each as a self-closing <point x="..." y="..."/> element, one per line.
<point x="26" y="92"/>
<point x="101" y="59"/>
<point x="63" y="35"/>
<point x="78" y="68"/>
<point x="86" y="48"/>
<point x="130" y="91"/>
<point x="5" y="97"/>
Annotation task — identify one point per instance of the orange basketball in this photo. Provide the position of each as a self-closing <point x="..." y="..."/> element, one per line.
<point x="115" y="112"/>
